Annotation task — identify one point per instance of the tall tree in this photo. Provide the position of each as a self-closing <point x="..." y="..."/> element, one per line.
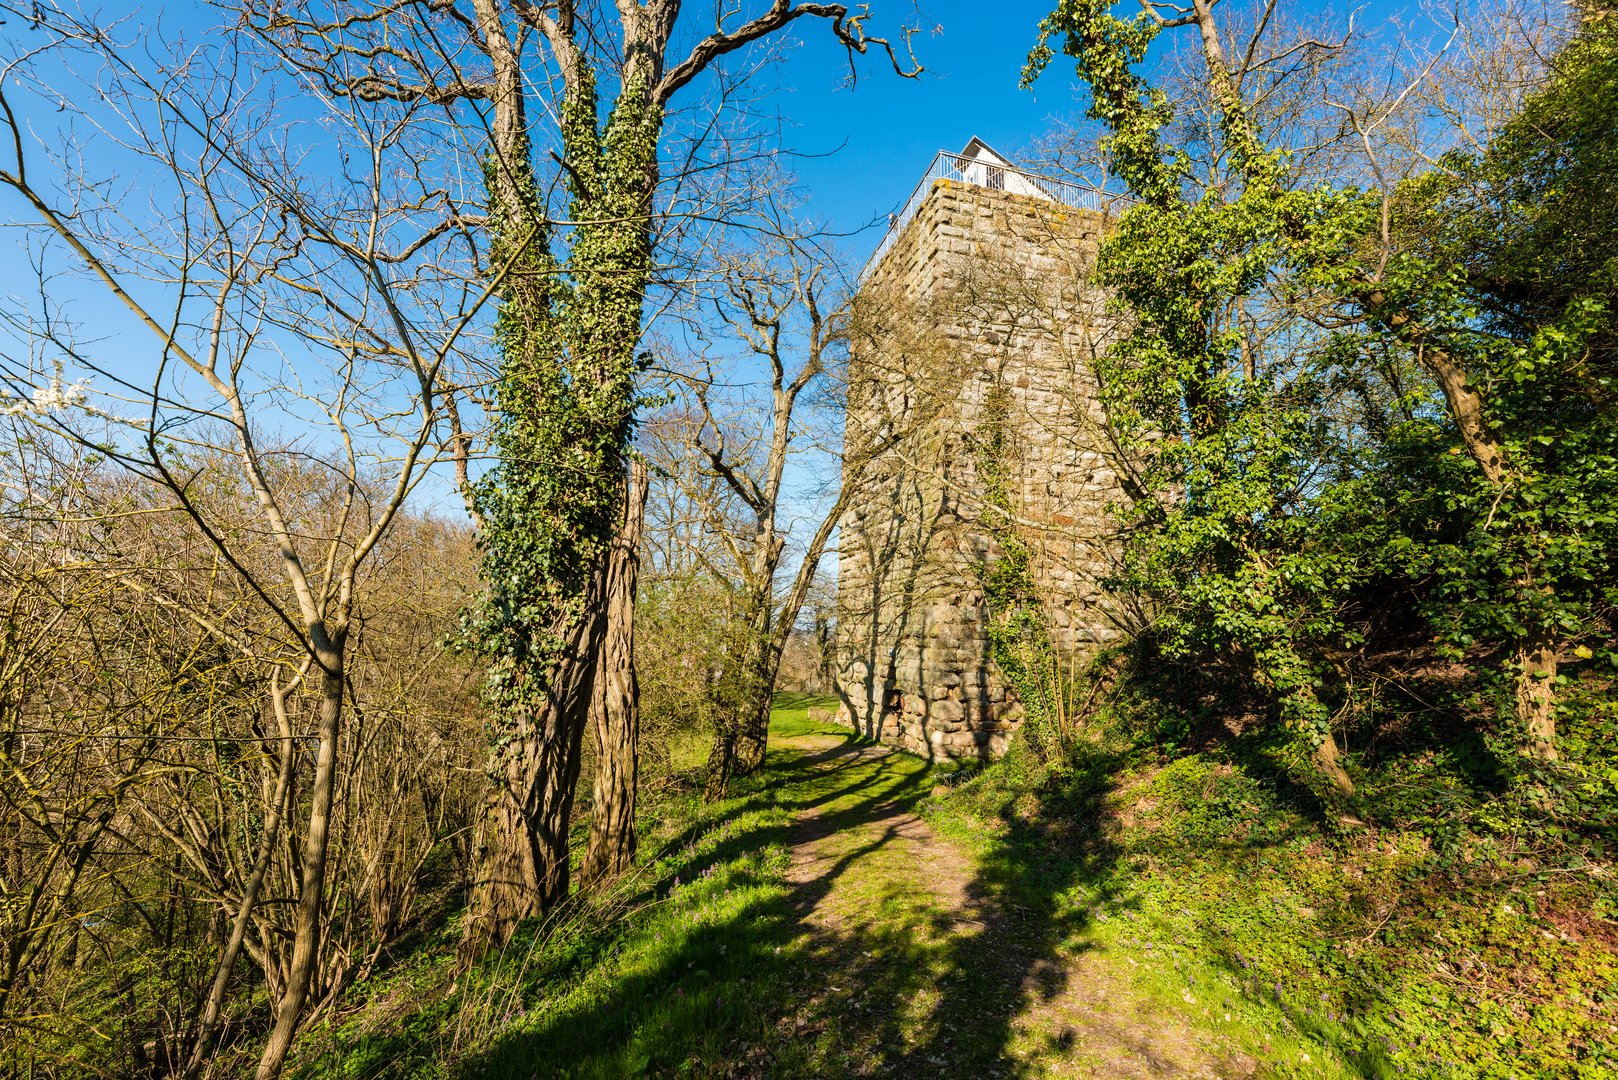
<point x="1424" y="273"/>
<point x="782" y="303"/>
<point x="1503" y="268"/>
<point x="1196" y="257"/>
<point x="615" y="706"/>
<point x="573" y="289"/>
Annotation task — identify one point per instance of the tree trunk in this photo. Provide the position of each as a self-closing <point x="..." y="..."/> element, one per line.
<point x="523" y="853"/>
<point x="1535" y="660"/>
<point x="1464" y="401"/>
<point x="754" y="736"/>
<point x="213" y="1007"/>
<point x="615" y="702"/>
<point x="329" y="653"/>
<point x="721" y="757"/>
<point x="731" y="701"/>
<point x="754" y="729"/>
<point x="826" y="658"/>
<point x="738" y="745"/>
<point x="735" y="738"/>
<point x="1326" y="756"/>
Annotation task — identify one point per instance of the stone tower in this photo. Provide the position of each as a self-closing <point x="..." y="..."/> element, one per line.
<point x="981" y="282"/>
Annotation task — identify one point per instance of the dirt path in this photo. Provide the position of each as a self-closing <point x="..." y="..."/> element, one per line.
<point x="916" y="968"/>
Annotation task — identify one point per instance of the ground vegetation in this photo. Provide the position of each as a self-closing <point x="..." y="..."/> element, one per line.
<point x="393" y="631"/>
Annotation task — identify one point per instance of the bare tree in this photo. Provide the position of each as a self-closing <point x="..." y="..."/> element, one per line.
<point x="571" y="324"/>
<point x="785" y="305"/>
<point x="270" y="298"/>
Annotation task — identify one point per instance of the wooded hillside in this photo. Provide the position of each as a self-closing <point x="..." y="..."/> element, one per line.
<point x="422" y="454"/>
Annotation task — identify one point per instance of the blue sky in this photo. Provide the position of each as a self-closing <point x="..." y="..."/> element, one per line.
<point x="888" y="128"/>
<point x="866" y="145"/>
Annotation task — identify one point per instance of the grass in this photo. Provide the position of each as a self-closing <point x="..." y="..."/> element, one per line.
<point x="1365" y="949"/>
<point x="1053" y="846"/>
<point x="689" y="968"/>
<point x="1190" y="902"/>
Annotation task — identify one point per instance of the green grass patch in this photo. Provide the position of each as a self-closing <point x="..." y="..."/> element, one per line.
<point x="1367" y="951"/>
<point x="686" y="967"/>
<point x="790" y="716"/>
<point x="1202" y="889"/>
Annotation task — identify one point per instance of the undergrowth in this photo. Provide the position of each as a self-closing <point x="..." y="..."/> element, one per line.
<point x="1452" y="936"/>
<point x="659" y="975"/>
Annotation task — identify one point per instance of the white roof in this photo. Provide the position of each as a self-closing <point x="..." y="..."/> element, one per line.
<point x="979" y="150"/>
<point x="981" y="165"/>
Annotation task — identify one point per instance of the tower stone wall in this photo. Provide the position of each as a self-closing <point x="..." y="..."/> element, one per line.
<point x="981" y="287"/>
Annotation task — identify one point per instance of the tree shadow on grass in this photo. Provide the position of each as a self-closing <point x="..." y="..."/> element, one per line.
<point x="1032" y="923"/>
<point x="697" y="981"/>
<point x="923" y="971"/>
<point x="812" y="926"/>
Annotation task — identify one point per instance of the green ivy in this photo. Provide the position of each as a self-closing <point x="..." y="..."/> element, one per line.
<point x="1231" y="547"/>
<point x="1019" y="635"/>
<point x="567" y="332"/>
<point x="1292" y="492"/>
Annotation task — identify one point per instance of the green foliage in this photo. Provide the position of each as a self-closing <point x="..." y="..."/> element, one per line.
<point x="1448" y="943"/>
<point x="568" y="331"/>
<point x="1511" y="257"/>
<point x="1301" y="467"/>
<point x="1236" y="543"/>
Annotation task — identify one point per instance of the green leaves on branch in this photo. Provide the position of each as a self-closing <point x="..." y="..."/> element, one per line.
<point x="1297" y="386"/>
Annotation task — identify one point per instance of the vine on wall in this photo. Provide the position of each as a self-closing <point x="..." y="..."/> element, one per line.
<point x="1020" y="642"/>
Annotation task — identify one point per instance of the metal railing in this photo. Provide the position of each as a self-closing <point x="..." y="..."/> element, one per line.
<point x="985" y="174"/>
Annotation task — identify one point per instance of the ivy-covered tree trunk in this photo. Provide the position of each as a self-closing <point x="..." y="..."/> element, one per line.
<point x="523" y="852"/>
<point x="568" y="333"/>
<point x="615" y="705"/>
<point x="1311" y="718"/>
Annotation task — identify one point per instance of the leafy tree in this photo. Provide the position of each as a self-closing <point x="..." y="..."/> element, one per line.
<point x="1221" y="412"/>
<point x="569" y="333"/>
<point x="1260" y="299"/>
<point x="783" y="302"/>
<point x="1510" y="257"/>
